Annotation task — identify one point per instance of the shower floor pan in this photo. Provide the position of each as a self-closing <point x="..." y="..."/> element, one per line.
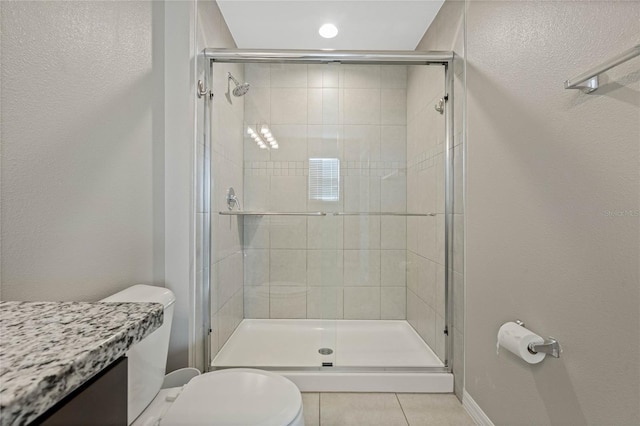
<point x="371" y="356"/>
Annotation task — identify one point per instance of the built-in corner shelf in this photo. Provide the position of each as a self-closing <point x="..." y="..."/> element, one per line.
<point x="250" y="213"/>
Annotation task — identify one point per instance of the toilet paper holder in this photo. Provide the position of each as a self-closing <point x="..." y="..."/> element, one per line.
<point x="550" y="346"/>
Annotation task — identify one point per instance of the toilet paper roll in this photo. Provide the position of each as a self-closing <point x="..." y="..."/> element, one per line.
<point x="516" y="339"/>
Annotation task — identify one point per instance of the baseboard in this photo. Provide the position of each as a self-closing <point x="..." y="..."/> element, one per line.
<point x="475" y="411"/>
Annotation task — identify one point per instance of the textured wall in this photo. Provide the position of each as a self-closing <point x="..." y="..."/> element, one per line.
<point x="82" y="154"/>
<point x="545" y="167"/>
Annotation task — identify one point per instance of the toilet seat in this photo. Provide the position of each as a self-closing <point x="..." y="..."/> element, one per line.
<point x="239" y="396"/>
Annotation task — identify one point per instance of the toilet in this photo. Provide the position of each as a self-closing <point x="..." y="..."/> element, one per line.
<point x="230" y="397"/>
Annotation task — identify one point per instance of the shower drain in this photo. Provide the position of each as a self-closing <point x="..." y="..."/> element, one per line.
<point x="325" y="351"/>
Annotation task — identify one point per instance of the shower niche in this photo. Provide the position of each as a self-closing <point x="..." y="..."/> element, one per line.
<point x="333" y="256"/>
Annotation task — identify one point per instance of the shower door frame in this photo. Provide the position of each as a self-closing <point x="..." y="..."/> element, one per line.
<point x="373" y="57"/>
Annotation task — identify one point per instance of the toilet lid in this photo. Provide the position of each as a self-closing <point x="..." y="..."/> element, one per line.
<point x="238" y="396"/>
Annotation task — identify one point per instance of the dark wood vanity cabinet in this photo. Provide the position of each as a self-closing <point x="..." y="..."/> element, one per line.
<point x="100" y="401"/>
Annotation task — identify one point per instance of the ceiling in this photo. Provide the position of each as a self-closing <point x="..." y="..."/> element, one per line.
<point x="362" y="24"/>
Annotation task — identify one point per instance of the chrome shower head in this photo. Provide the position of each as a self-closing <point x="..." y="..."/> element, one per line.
<point x="240" y="89"/>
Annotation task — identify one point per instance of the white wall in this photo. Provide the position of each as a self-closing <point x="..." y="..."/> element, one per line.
<point x="179" y="102"/>
<point x="545" y="167"/>
<point x="82" y="148"/>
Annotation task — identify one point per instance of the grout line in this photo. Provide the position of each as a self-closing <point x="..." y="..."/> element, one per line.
<point x="319" y="408"/>
<point x="402" y="408"/>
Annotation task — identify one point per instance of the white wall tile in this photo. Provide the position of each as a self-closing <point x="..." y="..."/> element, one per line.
<point x="314" y="106"/>
<point x="393" y="232"/>
<point x="393" y="268"/>
<point x="252" y="151"/>
<point x="412" y="233"/>
<point x="256" y="302"/>
<point x="427" y="236"/>
<point x="213" y="292"/>
<point x="256" y="266"/>
<point x="393" y="303"/>
<point x="362" y="267"/>
<point x="331" y="106"/>
<point x="393" y="76"/>
<point x="412" y="309"/>
<point x="427" y="317"/>
<point x="214" y="346"/>
<point x="256" y="232"/>
<point x="362" y="106"/>
<point x="288" y="267"/>
<point x="393" y="143"/>
<point x="393" y="103"/>
<point x="362" y="232"/>
<point x="230" y="316"/>
<point x="288" y="75"/>
<point x="362" y="303"/>
<point x="331" y="76"/>
<point x="325" y="302"/>
<point x="361" y="76"/>
<point x="413" y="265"/>
<point x="361" y="194"/>
<point x="314" y="75"/>
<point x="288" y="302"/>
<point x="230" y="278"/>
<point x="393" y="193"/>
<point x="288" y="193"/>
<point x="427" y="196"/>
<point x="256" y="189"/>
<point x="325" y="141"/>
<point x="257" y="75"/>
<point x="292" y="142"/>
<point x="288" y="232"/>
<point x="257" y="106"/>
<point x="362" y="143"/>
<point x="325" y="267"/>
<point x="288" y="106"/>
<point x="427" y="281"/>
<point x="229" y="236"/>
<point x="325" y="232"/>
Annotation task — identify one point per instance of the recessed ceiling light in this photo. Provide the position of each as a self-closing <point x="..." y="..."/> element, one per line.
<point x="328" y="31"/>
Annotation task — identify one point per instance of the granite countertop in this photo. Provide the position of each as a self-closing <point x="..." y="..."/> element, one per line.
<point x="49" y="349"/>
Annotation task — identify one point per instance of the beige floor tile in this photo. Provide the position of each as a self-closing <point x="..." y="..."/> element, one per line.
<point x="434" y="409"/>
<point x="311" y="408"/>
<point x="361" y="409"/>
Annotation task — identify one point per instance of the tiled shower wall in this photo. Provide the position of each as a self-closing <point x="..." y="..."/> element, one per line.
<point x="425" y="193"/>
<point x="351" y="267"/>
<point x="226" y="158"/>
<point x="447" y="32"/>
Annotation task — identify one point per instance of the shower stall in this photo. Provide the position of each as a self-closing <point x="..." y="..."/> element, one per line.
<point x="327" y="178"/>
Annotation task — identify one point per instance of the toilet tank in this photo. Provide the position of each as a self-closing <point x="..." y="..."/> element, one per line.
<point x="147" y="359"/>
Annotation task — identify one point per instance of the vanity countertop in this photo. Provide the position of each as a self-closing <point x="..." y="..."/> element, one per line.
<point x="49" y="349"/>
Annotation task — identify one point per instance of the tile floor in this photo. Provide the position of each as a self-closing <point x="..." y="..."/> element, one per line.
<point x="384" y="409"/>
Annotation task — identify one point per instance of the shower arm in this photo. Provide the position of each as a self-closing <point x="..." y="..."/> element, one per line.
<point x="234" y="79"/>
